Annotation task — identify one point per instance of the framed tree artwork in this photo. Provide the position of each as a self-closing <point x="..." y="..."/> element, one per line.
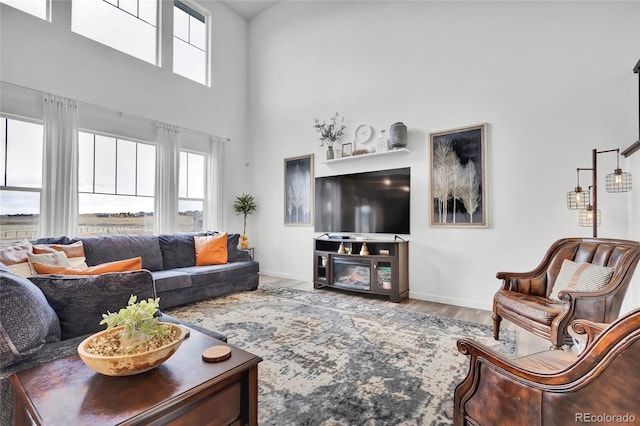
<point x="458" y="171"/>
<point x="298" y="191"/>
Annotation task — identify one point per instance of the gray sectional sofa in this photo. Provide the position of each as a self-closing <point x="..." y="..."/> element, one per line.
<point x="171" y="260"/>
<point x="45" y="317"/>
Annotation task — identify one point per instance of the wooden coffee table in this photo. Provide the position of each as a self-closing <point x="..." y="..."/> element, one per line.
<point x="183" y="390"/>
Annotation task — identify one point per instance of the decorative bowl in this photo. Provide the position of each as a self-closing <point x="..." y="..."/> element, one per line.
<point x="127" y="365"/>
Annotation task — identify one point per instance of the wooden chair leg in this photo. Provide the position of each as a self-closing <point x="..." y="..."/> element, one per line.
<point x="496" y="326"/>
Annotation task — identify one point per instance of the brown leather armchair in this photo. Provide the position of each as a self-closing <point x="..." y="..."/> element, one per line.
<point x="524" y="300"/>
<point x="555" y="387"/>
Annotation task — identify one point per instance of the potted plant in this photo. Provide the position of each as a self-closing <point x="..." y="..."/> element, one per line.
<point x="330" y="133"/>
<point x="134" y="341"/>
<point x="245" y="204"/>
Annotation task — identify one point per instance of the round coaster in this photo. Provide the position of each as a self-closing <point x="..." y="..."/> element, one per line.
<point x="216" y="353"/>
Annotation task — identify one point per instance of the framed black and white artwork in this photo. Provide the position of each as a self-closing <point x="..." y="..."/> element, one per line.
<point x="298" y="191"/>
<point x="458" y="172"/>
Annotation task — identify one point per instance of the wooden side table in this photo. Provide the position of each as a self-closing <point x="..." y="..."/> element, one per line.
<point x="184" y="390"/>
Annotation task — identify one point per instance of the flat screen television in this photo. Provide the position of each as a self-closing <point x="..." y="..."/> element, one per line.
<point x="369" y="202"/>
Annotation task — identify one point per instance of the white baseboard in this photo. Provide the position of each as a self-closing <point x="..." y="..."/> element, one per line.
<point x="287" y="276"/>
<point x="466" y="303"/>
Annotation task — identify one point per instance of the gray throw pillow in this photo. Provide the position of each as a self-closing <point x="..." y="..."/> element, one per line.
<point x="54" y="240"/>
<point x="27" y="321"/>
<point x="81" y="300"/>
<point x="232" y="246"/>
<point x="178" y="250"/>
<point x="108" y="248"/>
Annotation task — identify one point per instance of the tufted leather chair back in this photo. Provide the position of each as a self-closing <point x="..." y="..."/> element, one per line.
<point x="524" y="296"/>
<point x="617" y="254"/>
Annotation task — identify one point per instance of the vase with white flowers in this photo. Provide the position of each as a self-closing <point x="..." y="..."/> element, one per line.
<point x="330" y="132"/>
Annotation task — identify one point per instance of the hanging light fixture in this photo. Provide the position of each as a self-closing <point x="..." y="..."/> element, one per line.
<point x="618" y="181"/>
<point x="585" y="218"/>
<point x="578" y="199"/>
<point x="586" y="215"/>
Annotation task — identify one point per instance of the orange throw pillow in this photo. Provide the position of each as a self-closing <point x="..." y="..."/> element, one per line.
<point x="71" y="250"/>
<point x="211" y="249"/>
<point x="133" y="264"/>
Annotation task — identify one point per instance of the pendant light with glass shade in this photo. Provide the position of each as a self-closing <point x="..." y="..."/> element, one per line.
<point x="586" y="215"/>
<point x="618" y="181"/>
<point x="578" y="199"/>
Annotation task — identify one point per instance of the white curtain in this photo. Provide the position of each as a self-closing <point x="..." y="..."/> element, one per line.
<point x="59" y="195"/>
<point x="215" y="209"/>
<point x="167" y="179"/>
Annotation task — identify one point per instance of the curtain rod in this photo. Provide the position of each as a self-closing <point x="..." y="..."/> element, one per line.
<point x="107" y="109"/>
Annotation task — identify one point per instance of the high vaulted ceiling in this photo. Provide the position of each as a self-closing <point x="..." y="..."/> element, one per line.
<point x="249" y="8"/>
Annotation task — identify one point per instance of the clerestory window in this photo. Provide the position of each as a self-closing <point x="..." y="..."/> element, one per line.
<point x="190" y="46"/>
<point x="129" y="26"/>
<point x="38" y="8"/>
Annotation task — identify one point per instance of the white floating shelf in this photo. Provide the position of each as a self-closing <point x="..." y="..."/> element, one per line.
<point x="372" y="154"/>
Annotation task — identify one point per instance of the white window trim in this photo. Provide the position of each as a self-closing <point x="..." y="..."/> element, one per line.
<point x="113" y="135"/>
<point x="11" y="116"/>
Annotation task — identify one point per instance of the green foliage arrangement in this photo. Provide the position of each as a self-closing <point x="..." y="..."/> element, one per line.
<point x="137" y="318"/>
<point x="245" y="204"/>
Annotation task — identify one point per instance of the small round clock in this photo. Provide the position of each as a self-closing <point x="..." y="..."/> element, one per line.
<point x="364" y="133"/>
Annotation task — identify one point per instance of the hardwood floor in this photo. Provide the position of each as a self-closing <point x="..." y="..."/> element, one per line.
<point x="526" y="342"/>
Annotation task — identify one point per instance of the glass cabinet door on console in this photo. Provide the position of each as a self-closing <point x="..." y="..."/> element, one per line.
<point x="320" y="267"/>
<point x="384" y="274"/>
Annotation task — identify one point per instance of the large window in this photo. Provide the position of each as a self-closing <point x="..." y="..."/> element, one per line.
<point x="20" y="178"/>
<point x="191" y="191"/>
<point x="39" y="8"/>
<point x="129" y="26"/>
<point x="116" y="180"/>
<point x="189" y="42"/>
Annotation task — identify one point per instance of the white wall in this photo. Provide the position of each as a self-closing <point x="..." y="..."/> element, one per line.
<point x="552" y="79"/>
<point x="48" y="57"/>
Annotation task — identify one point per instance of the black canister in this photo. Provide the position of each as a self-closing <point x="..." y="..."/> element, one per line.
<point x="398" y="136"/>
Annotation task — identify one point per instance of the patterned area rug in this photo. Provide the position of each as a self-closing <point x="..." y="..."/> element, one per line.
<point x="331" y="361"/>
